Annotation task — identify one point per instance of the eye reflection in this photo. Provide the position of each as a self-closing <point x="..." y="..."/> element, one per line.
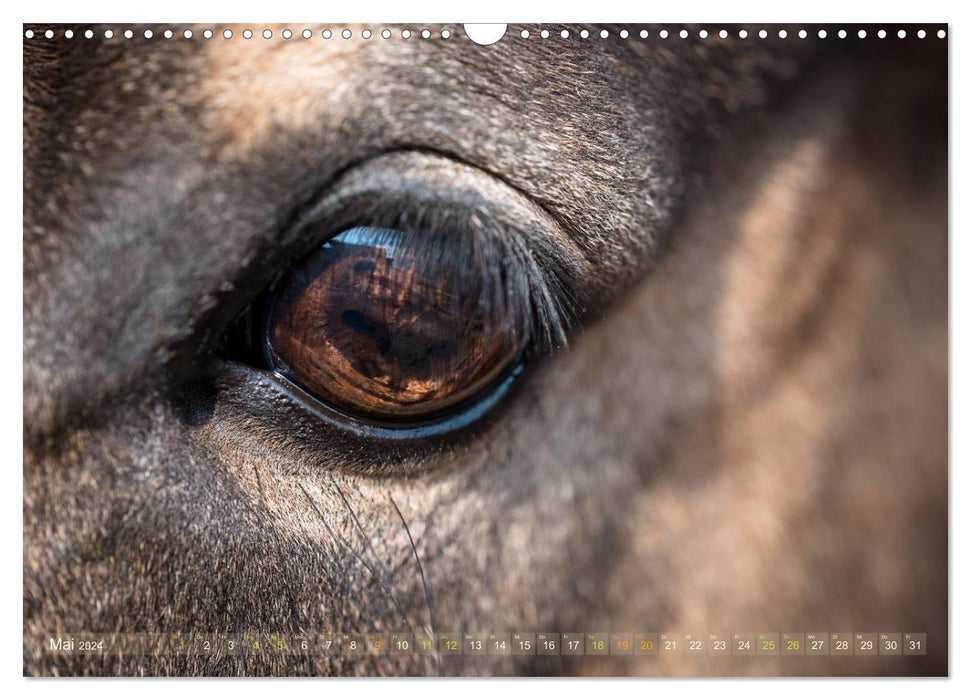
<point x="378" y="329"/>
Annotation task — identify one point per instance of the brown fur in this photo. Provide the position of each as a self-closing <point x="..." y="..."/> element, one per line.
<point x="752" y="436"/>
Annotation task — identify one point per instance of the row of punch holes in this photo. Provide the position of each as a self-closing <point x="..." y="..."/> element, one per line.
<point x="446" y="33"/>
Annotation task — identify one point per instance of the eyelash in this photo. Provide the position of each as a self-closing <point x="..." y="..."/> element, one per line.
<point x="529" y="284"/>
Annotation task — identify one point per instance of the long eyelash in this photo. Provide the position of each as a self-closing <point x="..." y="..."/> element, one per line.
<point x="532" y="286"/>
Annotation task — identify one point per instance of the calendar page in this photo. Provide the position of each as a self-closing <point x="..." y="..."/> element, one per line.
<point x="485" y="350"/>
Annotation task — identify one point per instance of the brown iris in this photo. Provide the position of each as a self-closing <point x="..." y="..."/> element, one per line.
<point x="374" y="328"/>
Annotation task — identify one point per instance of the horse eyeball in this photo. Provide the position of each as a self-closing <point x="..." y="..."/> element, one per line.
<point x="372" y="328"/>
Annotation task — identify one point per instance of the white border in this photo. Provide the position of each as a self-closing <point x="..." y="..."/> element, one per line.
<point x="836" y="11"/>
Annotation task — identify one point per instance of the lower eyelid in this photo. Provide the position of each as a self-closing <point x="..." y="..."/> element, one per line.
<point x="256" y="411"/>
<point x="433" y="429"/>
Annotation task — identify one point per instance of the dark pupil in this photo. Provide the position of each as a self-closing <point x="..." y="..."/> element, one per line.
<point x="368" y="325"/>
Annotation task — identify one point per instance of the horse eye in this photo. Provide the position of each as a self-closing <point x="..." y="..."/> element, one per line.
<point x="369" y="326"/>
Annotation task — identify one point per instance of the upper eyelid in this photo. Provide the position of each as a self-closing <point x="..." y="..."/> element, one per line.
<point x="394" y="167"/>
<point x="553" y="218"/>
<point x="434" y="195"/>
